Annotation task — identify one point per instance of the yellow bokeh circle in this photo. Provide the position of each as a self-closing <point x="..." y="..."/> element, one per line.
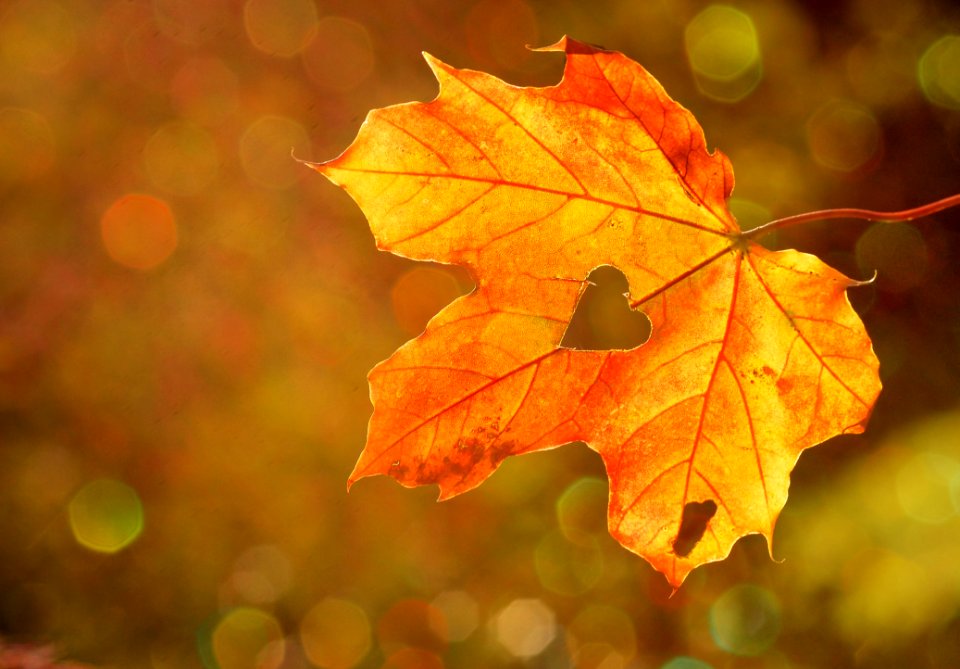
<point x="419" y="294"/>
<point x="897" y="253"/>
<point x="105" y="515"/>
<point x="335" y="634"/>
<point x="248" y="638"/>
<point x="938" y="72"/>
<point x="745" y="620"/>
<point x="37" y="35"/>
<point x="27" y="147"/>
<point x="181" y="158"/>
<point x="724" y="53"/>
<point x="280" y="27"/>
<point x="843" y="135"/>
<point x="265" y="151"/>
<point x="340" y="55"/>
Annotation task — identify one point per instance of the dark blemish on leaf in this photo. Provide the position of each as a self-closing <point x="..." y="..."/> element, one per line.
<point x="470" y="460"/>
<point x="696" y="515"/>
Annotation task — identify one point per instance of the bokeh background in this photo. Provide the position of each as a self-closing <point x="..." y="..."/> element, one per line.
<point x="187" y="316"/>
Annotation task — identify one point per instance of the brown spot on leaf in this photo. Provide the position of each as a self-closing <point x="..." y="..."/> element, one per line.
<point x="472" y="458"/>
<point x="696" y="515"/>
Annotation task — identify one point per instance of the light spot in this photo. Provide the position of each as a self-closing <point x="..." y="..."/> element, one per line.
<point x="138" y="231"/>
<point x="340" y="56"/>
<point x="205" y="90"/>
<point x="461" y="613"/>
<point x="181" y="158"/>
<point x="412" y="623"/>
<point x="265" y="149"/>
<point x="724" y="53"/>
<point x="151" y="57"/>
<point x="745" y="620"/>
<point x="683" y="662"/>
<point x="582" y="508"/>
<point x="598" y="656"/>
<point x="748" y="213"/>
<point x="887" y="597"/>
<point x="773" y="173"/>
<point x="37" y="35"/>
<point x="280" y="27"/>
<point x="248" y="638"/>
<point x="525" y="627"/>
<point x="897" y="252"/>
<point x="106" y="515"/>
<point x="843" y="136"/>
<point x="419" y="294"/>
<point x="721" y="43"/>
<point x="27" y="148"/>
<point x="335" y="634"/>
<point x="568" y="567"/>
<point x="191" y="22"/>
<point x="924" y="487"/>
<point x="881" y="72"/>
<point x="602" y="636"/>
<point x="938" y="72"/>
<point x="261" y="574"/>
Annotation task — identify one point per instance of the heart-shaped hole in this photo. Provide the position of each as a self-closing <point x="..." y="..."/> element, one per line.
<point x="603" y="320"/>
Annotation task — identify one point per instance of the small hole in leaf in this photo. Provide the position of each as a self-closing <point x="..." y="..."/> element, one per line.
<point x="603" y="319"/>
<point x="696" y="515"/>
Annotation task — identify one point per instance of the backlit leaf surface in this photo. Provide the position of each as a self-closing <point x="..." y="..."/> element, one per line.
<point x="754" y="355"/>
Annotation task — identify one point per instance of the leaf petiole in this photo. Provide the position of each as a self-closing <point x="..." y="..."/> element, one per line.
<point x="862" y="214"/>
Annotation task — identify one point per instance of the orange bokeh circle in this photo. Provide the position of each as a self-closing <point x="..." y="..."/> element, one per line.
<point x="138" y="231"/>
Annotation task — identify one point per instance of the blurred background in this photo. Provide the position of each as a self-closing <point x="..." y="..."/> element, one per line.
<point x="187" y="316"/>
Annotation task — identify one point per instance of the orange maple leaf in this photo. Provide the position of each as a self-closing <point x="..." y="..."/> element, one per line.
<point x="754" y="355"/>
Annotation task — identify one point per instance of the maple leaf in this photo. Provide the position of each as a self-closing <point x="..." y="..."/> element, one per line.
<point x="754" y="355"/>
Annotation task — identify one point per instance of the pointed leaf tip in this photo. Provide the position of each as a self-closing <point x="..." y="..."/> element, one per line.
<point x="570" y="45"/>
<point x="436" y="65"/>
<point x="559" y="45"/>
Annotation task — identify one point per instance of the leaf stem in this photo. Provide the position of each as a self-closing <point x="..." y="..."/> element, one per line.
<point x="863" y="214"/>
